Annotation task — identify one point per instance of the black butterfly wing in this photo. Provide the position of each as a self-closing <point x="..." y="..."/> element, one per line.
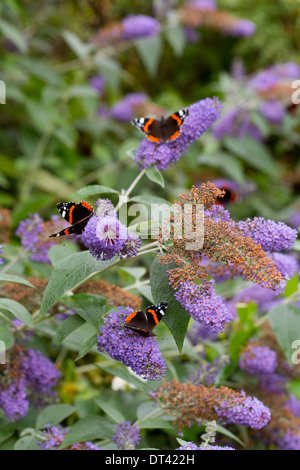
<point x="75" y="229"/>
<point x="73" y="212"/>
<point x="155" y="313"/>
<point x="173" y="124"/>
<point x="152" y="128"/>
<point x="138" y="322"/>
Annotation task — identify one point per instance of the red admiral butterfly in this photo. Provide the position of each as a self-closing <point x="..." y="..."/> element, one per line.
<point x="162" y="130"/>
<point x="229" y="196"/>
<point x="144" y="323"/>
<point x="77" y="215"/>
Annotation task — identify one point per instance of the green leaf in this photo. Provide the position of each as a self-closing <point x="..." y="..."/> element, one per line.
<point x="41" y="69"/>
<point x="6" y="338"/>
<point x="136" y="273"/>
<point x="88" y="306"/>
<point x="54" y="414"/>
<point x="109" y="409"/>
<point x="69" y="273"/>
<point x="17" y="310"/>
<point x="155" y="175"/>
<point x="147" y="419"/>
<point x="291" y="286"/>
<point x="229" y="434"/>
<point x="285" y="323"/>
<point x="14" y="278"/>
<point x="67" y="327"/>
<point x="27" y="443"/>
<point x="58" y="252"/>
<point x="88" y="429"/>
<point x="78" y="47"/>
<point x="176" y="38"/>
<point x="150" y="50"/>
<point x="242" y="329"/>
<point x="176" y="317"/>
<point x="254" y="153"/>
<point x="87" y="346"/>
<point x="155" y="423"/>
<point x="91" y="190"/>
<point x="122" y="372"/>
<point x="225" y="162"/>
<point x="146" y="292"/>
<point x="13" y="34"/>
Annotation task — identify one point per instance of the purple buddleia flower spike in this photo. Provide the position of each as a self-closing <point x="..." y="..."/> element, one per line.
<point x="236" y="123"/>
<point x="98" y="83"/>
<point x="131" y="247"/>
<point x="245" y="411"/>
<point x="124" y="110"/>
<point x="34" y="237"/>
<point x="286" y="264"/>
<point x="139" y="26"/>
<point x="141" y="354"/>
<point x="204" y="305"/>
<point x="208" y="5"/>
<point x="293" y="404"/>
<point x="201" y="117"/>
<point x="272" y="236"/>
<point x="53" y="436"/>
<point x="105" y="236"/>
<point x="41" y="373"/>
<point x="192" y="446"/>
<point x="273" y="111"/>
<point x="290" y="441"/>
<point x="127" y="436"/>
<point x="14" y="401"/>
<point x="258" y="360"/>
<point x="242" y="28"/>
<point x="294" y="219"/>
<point x="1" y="251"/>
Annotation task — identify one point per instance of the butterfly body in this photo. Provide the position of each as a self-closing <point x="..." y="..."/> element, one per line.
<point x="144" y="322"/>
<point x="162" y="130"/>
<point x="77" y="215"/>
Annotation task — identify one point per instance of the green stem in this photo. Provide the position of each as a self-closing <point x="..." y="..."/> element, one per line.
<point x="124" y="197"/>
